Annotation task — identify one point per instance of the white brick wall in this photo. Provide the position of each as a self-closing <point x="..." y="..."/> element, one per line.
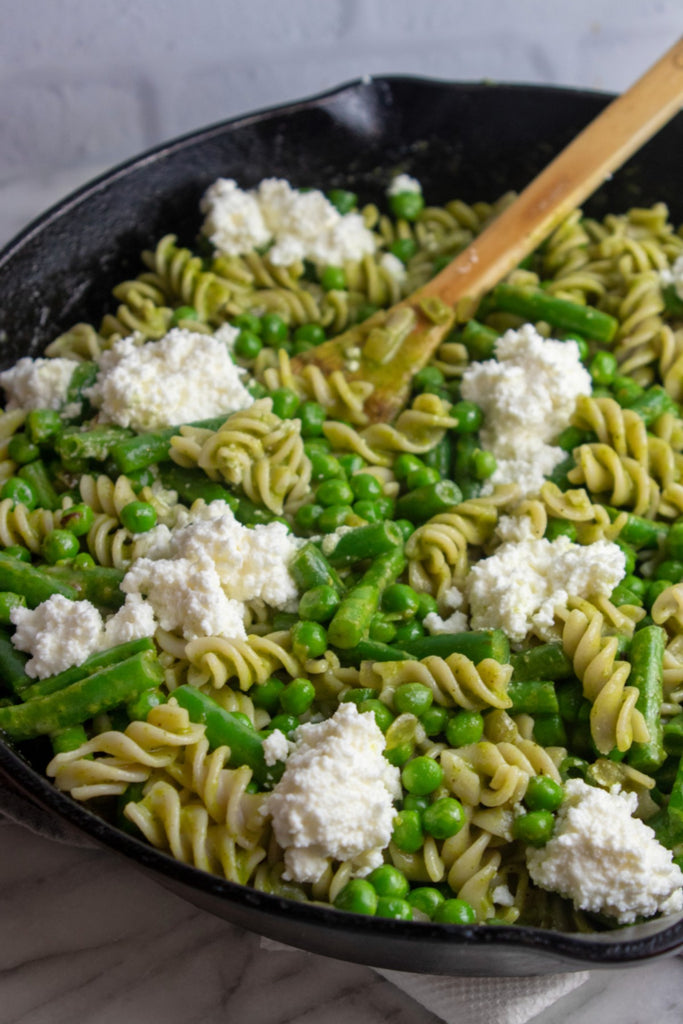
<point x="85" y="84"/>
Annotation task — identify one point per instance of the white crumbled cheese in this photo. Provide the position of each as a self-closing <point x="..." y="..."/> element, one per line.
<point x="514" y="528"/>
<point x="518" y="588"/>
<point x="60" y="633"/>
<point x="186" y="596"/>
<point x="198" y="574"/>
<point x="604" y="859"/>
<point x="456" y="622"/>
<point x="673" y="275"/>
<point x="37" y="383"/>
<point x="183" y="377"/>
<point x="528" y="394"/>
<point x="393" y="266"/>
<point x="275" y="747"/>
<point x="335" y="798"/>
<point x="297" y="225"/>
<point x="403" y="183"/>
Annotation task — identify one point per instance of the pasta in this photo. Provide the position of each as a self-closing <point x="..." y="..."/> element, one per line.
<point x="185" y="729"/>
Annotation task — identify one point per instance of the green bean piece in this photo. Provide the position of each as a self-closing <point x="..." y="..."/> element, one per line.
<point x="533" y="697"/>
<point x="193" y="484"/>
<point x="99" y="584"/>
<point x="372" y="650"/>
<point x="474" y="644"/>
<point x="646" y="655"/>
<point x="96" y="661"/>
<point x="673" y="735"/>
<point x="43" y="424"/>
<point x="310" y="568"/>
<point x="36" y="585"/>
<point x="534" y="304"/>
<point x="95" y="444"/>
<point x="13" y="666"/>
<point x="547" y="661"/>
<point x="638" y="531"/>
<point x="366" y="542"/>
<point x="224" y="729"/>
<point x="351" y="621"/>
<point x="81" y="701"/>
<point x="549" y="731"/>
<point x="384" y="569"/>
<point x="424" y="502"/>
<point x="68" y="739"/>
<point x="9" y="601"/>
<point x="155" y="446"/>
<point x="439" y="457"/>
<point x="36" y="474"/>
<point x="83" y="376"/>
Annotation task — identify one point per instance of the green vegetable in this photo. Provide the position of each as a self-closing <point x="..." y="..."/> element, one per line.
<point x="534" y="304"/>
<point x="646" y="655"/>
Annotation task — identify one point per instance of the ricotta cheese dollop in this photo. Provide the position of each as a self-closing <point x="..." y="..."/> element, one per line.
<point x="605" y="860"/>
<point x="528" y="394"/>
<point x="335" y="798"/>
<point x="37" y="383"/>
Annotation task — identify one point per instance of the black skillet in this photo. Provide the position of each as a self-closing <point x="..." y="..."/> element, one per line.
<point x="469" y="141"/>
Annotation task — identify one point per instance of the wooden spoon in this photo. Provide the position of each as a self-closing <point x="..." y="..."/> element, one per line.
<point x="391" y="346"/>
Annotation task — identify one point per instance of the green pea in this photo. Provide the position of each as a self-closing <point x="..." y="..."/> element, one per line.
<point x="19" y="552"/>
<point x="484" y="463"/>
<point x="403" y="249"/>
<point x="309" y="640"/>
<point x="183" y="313"/>
<point x="392" y="907"/>
<point x="357" y="897"/>
<point x="386" y="505"/>
<point x="365" y="486"/>
<point x="406" y="527"/>
<point x="636" y="584"/>
<point x="248" y="345"/>
<point x="334" y="492"/>
<point x="306" y="517"/>
<point x="59" y="545"/>
<point x="273" y="328"/>
<point x="603" y="368"/>
<point x="428" y="379"/>
<point x="138" y="709"/>
<point x="319" y="603"/>
<point x="425" y="898"/>
<point x="343" y="200"/>
<point x="43" y="424"/>
<point x="333" y="279"/>
<point x="285" y="403"/>
<point x="370" y="511"/>
<point x="543" y="793"/>
<point x="78" y="519"/>
<point x="444" y="818"/>
<point x="334" y="516"/>
<point x="285" y="722"/>
<point x="383" y="715"/>
<point x="409" y="630"/>
<point x="357" y="695"/>
<point x="560" y="528"/>
<point x="297" y="696"/>
<point x="325" y="467"/>
<point x="387" y="880"/>
<point x="434" y="720"/>
<point x="399" y="754"/>
<point x="412" y="698"/>
<point x="581" y="344"/>
<point x="669" y="570"/>
<point x="406" y="205"/>
<point x="400" y="599"/>
<point x="455" y="912"/>
<point x="381" y="629"/>
<point x="422" y="477"/>
<point x="464" y="727"/>
<point x="413" y="802"/>
<point x="317" y="446"/>
<point x="248" y="322"/>
<point x="405" y="463"/>
<point x="22" y="450"/>
<point x="351" y="463"/>
<point x="426" y="605"/>
<point x="407" y="834"/>
<point x="312" y="416"/>
<point x="19" y="491"/>
<point x="654" y="589"/>
<point x="267" y="695"/>
<point x="469" y="415"/>
<point x="534" y="828"/>
<point x="422" y="775"/>
<point x="138" y="516"/>
<point x="84" y="560"/>
<point x="8" y="601"/>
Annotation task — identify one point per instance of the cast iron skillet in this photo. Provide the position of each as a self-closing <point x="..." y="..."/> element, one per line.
<point x="471" y="141"/>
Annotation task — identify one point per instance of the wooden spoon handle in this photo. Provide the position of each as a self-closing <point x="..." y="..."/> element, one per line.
<point x="608" y="141"/>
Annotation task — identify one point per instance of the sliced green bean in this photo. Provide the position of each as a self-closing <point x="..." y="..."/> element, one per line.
<point x="475" y="645"/>
<point x="547" y="661"/>
<point x="81" y="701"/>
<point x="424" y="502"/>
<point x="36" y="474"/>
<point x="194" y="484"/>
<point x="155" y="446"/>
<point x="97" y="661"/>
<point x="36" y="585"/>
<point x="534" y="304"/>
<point x="366" y="542"/>
<point x="647" y="655"/>
<point x="99" y="584"/>
<point x="638" y="531"/>
<point x="351" y="621"/>
<point x="533" y="698"/>
<point x="95" y="444"/>
<point x="13" y="665"/>
<point x="310" y="568"/>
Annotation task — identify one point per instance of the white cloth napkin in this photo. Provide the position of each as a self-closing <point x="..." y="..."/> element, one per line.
<point x="461" y="1000"/>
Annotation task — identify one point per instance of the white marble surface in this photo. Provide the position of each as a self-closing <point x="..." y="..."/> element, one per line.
<point x="84" y="936"/>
